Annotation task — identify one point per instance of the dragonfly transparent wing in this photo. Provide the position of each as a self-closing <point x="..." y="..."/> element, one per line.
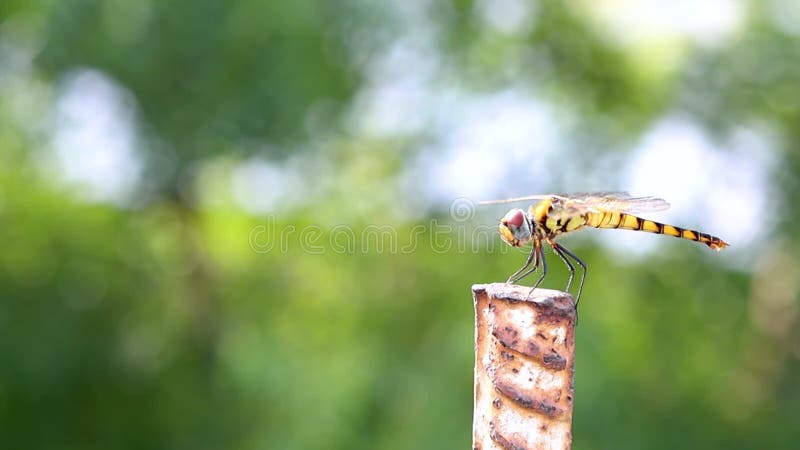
<point x="613" y="202"/>
<point x="518" y="199"/>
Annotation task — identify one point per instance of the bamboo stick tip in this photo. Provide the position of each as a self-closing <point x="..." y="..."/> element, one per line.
<point x="558" y="302"/>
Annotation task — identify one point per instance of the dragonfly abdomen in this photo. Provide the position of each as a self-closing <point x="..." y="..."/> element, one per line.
<point x="631" y="222"/>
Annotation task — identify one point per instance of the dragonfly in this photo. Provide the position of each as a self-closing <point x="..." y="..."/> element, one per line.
<point x="557" y="214"/>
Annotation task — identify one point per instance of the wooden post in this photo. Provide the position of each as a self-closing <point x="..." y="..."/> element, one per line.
<point x="524" y="363"/>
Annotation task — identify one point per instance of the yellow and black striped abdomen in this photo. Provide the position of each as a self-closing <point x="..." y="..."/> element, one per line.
<point x="630" y="222"/>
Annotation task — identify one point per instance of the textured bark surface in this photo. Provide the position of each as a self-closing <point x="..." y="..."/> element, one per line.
<point x="524" y="362"/>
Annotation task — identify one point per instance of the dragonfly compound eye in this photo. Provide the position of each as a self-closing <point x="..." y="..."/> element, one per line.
<point x="514" y="219"/>
<point x="513" y="227"/>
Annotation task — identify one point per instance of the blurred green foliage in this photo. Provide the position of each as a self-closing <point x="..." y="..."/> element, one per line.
<point x="163" y="324"/>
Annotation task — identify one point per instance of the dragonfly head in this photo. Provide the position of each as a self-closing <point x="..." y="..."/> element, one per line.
<point x="514" y="228"/>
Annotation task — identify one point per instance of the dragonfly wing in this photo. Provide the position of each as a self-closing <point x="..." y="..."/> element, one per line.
<point x="607" y="201"/>
<point x="586" y="197"/>
<point x="518" y="199"/>
<point x="614" y="202"/>
<point x="596" y="195"/>
<point x="638" y="205"/>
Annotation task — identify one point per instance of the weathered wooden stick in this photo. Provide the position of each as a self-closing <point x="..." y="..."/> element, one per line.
<point x="524" y="363"/>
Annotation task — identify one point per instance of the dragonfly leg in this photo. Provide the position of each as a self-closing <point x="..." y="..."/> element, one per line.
<point x="583" y="274"/>
<point x="557" y="249"/>
<point x="540" y="251"/>
<point x="516" y="275"/>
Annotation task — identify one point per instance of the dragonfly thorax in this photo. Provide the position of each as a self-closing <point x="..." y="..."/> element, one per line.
<point x="515" y="228"/>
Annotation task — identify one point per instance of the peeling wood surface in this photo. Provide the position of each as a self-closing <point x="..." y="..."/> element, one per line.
<point x="524" y="363"/>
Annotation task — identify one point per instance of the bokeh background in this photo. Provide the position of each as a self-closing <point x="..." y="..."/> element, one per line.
<point x="251" y="224"/>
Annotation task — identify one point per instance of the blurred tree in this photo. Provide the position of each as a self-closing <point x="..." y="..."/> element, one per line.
<point x="160" y="326"/>
<point x="211" y="76"/>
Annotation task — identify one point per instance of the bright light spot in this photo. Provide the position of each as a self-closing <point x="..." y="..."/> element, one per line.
<point x="260" y="187"/>
<point x="709" y="22"/>
<point x="497" y="145"/>
<point x="94" y="138"/>
<point x="507" y="16"/>
<point x="396" y="100"/>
